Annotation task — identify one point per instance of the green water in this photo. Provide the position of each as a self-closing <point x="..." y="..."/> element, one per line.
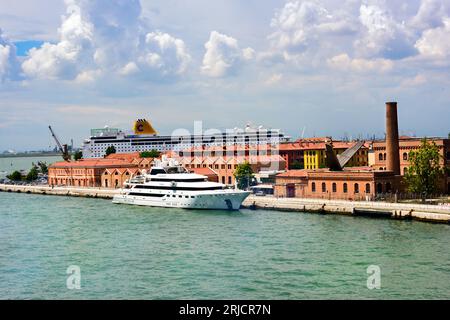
<point x="140" y="252"/>
<point x="22" y="163"/>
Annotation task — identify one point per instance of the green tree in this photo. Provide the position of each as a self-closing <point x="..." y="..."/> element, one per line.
<point x="43" y="166"/>
<point x="244" y="175"/>
<point x="78" y="155"/>
<point x="425" y="170"/>
<point x="296" y="165"/>
<point x="150" y="154"/>
<point x="15" y="176"/>
<point x="33" y="174"/>
<point x="110" y="150"/>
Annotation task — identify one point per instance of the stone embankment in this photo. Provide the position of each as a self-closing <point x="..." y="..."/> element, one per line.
<point x="401" y="211"/>
<point x="61" y="191"/>
<point x="429" y="213"/>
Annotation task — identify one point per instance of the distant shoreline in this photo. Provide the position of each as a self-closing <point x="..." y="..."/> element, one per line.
<point x="29" y="155"/>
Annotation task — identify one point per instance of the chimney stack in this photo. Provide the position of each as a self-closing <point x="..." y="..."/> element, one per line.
<point x="392" y="143"/>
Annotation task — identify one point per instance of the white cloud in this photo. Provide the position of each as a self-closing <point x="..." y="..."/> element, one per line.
<point x="383" y="37"/>
<point x="8" y="59"/>
<point x="165" y="53"/>
<point x="223" y="55"/>
<point x="301" y="26"/>
<point x="344" y="63"/>
<point x="430" y="14"/>
<point x="107" y="37"/>
<point x="435" y="43"/>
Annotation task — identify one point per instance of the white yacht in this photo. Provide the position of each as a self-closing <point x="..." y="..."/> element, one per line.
<point x="171" y="185"/>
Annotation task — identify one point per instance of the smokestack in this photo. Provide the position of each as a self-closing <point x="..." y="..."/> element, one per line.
<point x="392" y="144"/>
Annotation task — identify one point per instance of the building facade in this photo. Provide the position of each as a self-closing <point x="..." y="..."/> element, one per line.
<point x="406" y="145"/>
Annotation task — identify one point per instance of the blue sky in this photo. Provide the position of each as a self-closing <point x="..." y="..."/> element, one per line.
<point x="324" y="67"/>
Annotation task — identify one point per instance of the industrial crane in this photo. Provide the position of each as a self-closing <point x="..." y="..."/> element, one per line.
<point x="63" y="148"/>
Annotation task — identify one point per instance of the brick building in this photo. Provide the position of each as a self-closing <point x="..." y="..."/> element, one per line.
<point x="310" y="153"/>
<point x="378" y="155"/>
<point x="350" y="184"/>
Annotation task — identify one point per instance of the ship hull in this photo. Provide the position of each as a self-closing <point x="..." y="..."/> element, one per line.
<point x="214" y="201"/>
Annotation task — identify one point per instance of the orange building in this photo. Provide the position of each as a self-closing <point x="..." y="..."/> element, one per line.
<point x="224" y="160"/>
<point x="350" y="184"/>
<point x="406" y="145"/>
<point x="109" y="172"/>
<point x="309" y="153"/>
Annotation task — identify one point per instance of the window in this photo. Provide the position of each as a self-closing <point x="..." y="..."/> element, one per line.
<point x="379" y="188"/>
<point x="368" y="188"/>
<point x="380" y="157"/>
<point x="405" y="171"/>
<point x="405" y="156"/>
<point x="345" y="188"/>
<point x="313" y="187"/>
<point x="384" y="156"/>
<point x="356" y="188"/>
<point x="324" y="187"/>
<point x="334" y="187"/>
<point x="229" y="180"/>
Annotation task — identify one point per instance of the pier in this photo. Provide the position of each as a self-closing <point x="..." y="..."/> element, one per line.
<point x="400" y="211"/>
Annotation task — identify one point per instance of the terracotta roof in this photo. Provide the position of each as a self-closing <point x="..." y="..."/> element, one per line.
<point x="204" y="171"/>
<point x="123" y="156"/>
<point x="294" y="174"/>
<point x="91" y="163"/>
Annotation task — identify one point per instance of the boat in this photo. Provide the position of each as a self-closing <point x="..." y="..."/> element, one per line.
<point x="169" y="185"/>
<point x="144" y="137"/>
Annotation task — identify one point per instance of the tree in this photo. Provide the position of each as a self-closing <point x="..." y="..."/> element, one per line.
<point x="33" y="174"/>
<point x="110" y="150"/>
<point x="78" y="155"/>
<point x="243" y="175"/>
<point x="150" y="154"/>
<point x="296" y="165"/>
<point x="15" y="176"/>
<point x="43" y="166"/>
<point x="425" y="170"/>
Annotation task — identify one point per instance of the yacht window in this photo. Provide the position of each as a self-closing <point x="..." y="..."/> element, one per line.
<point x="157" y="171"/>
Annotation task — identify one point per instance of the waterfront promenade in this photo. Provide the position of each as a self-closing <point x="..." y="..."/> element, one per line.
<point x="401" y="211"/>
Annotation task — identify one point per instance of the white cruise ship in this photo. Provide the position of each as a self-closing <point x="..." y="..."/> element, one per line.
<point x="170" y="185"/>
<point x="145" y="138"/>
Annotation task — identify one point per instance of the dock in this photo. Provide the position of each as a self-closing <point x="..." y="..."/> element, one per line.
<point x="399" y="211"/>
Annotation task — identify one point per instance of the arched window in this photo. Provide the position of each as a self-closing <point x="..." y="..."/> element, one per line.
<point x="405" y="171"/>
<point x="324" y="187"/>
<point x="345" y="188"/>
<point x="384" y="156"/>
<point x="334" y="187"/>
<point x="356" y="188"/>
<point x="388" y="187"/>
<point x="368" y="188"/>
<point x="380" y="157"/>
<point x="379" y="188"/>
<point x="405" y="156"/>
<point x="313" y="187"/>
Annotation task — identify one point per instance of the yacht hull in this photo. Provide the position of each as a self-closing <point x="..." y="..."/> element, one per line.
<point x="217" y="201"/>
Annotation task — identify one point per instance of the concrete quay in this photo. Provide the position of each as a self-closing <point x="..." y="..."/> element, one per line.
<point x="61" y="191"/>
<point x="401" y="211"/>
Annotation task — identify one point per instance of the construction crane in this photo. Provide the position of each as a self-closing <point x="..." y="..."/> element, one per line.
<point x="62" y="148"/>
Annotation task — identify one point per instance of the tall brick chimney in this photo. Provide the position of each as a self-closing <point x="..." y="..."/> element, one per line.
<point x="392" y="144"/>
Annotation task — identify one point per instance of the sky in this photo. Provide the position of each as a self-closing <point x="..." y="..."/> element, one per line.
<point x="309" y="67"/>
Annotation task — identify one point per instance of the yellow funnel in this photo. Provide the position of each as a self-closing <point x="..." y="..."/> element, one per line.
<point x="142" y="126"/>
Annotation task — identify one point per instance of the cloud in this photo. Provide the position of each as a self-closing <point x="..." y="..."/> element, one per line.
<point x="302" y="26"/>
<point x="223" y="55"/>
<point x="103" y="37"/>
<point x="383" y="37"/>
<point x="434" y="43"/>
<point x="344" y="63"/>
<point x="8" y="59"/>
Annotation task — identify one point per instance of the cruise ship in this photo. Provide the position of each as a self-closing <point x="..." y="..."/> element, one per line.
<point x="170" y="185"/>
<point x="145" y="138"/>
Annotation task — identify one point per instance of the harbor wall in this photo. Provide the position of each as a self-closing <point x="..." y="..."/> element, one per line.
<point x="401" y="211"/>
